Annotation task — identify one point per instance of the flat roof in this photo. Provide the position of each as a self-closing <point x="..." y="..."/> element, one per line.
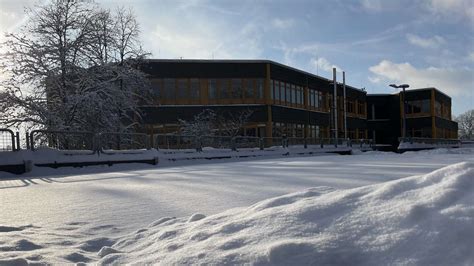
<point x="410" y="90"/>
<point x="252" y="61"/>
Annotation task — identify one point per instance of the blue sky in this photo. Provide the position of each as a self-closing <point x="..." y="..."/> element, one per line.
<point x="422" y="43"/>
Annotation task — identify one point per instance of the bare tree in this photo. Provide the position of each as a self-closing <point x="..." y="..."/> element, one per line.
<point x="466" y="125"/>
<point x="232" y="123"/>
<point x="71" y="68"/>
<point x="203" y="124"/>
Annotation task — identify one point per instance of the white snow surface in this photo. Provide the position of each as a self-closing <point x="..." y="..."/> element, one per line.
<point x="420" y="220"/>
<point x="72" y="215"/>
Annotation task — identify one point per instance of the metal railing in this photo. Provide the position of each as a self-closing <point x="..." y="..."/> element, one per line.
<point x="110" y="141"/>
<point x="430" y="141"/>
<point x="362" y="143"/>
<point x="86" y="141"/>
<point x="7" y="140"/>
<point x="62" y="140"/>
<point x="123" y="141"/>
<point x="170" y="142"/>
<point x="184" y="142"/>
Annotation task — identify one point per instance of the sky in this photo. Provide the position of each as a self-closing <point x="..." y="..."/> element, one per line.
<point x="376" y="42"/>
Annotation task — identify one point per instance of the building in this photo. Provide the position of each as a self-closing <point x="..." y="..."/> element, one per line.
<point x="287" y="101"/>
<point x="283" y="100"/>
<point x="428" y="115"/>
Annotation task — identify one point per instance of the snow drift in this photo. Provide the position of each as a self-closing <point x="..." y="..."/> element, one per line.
<point x="419" y="220"/>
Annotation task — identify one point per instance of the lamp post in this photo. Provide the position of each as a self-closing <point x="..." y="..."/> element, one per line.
<point x="404" y="122"/>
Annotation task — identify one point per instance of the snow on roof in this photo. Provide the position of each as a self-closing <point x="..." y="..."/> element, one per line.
<point x="419" y="220"/>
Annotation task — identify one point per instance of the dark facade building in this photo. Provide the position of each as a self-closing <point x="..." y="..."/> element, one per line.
<point x="283" y="100"/>
<point x="428" y="115"/>
<point x="287" y="101"/>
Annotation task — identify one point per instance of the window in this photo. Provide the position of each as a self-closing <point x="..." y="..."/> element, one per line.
<point x="361" y="108"/>
<point x="273" y="88"/>
<point x="182" y="89"/>
<point x="236" y="89"/>
<point x="438" y="109"/>
<point x="426" y="106"/>
<point x="293" y="94"/>
<point x="195" y="89"/>
<point x="288" y="93"/>
<point x="350" y="107"/>
<point x="249" y="88"/>
<point x="223" y="89"/>
<point x="212" y="89"/>
<point x="259" y="88"/>
<point x="317" y="99"/>
<point x="169" y="89"/>
<point x="157" y="85"/>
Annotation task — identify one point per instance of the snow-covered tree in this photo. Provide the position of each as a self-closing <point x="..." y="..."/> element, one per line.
<point x="203" y="124"/>
<point x="73" y="66"/>
<point x="466" y="125"/>
<point x="232" y="123"/>
<point x="210" y="123"/>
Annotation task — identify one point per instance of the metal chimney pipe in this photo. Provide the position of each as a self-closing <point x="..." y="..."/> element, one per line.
<point x="334" y="81"/>
<point x="345" y="105"/>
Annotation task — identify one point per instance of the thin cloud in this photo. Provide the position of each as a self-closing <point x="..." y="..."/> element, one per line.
<point x="323" y="64"/>
<point x="282" y="24"/>
<point x="452" y="9"/>
<point x="433" y="42"/>
<point x="449" y="80"/>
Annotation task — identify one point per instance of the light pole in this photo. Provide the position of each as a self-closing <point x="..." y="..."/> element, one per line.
<point x="404" y="122"/>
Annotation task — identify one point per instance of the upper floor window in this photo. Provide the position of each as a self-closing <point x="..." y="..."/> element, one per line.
<point x="236" y="89"/>
<point x="212" y="85"/>
<point x="169" y="88"/>
<point x="194" y="88"/>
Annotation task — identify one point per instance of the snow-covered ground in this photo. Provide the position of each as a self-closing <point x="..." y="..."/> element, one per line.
<point x="68" y="215"/>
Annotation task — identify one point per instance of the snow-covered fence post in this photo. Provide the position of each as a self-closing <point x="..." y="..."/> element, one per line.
<point x="17" y="136"/>
<point x="232" y="144"/>
<point x="27" y="135"/>
<point x="198" y="143"/>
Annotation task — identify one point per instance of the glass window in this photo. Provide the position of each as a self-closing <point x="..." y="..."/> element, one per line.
<point x="287" y="92"/>
<point x="281" y="91"/>
<point x="169" y="89"/>
<point x="182" y="89"/>
<point x="259" y="88"/>
<point x="292" y="93"/>
<point x="361" y="109"/>
<point x="212" y="89"/>
<point x="236" y="88"/>
<point x="298" y="94"/>
<point x="248" y="87"/>
<point x="224" y="89"/>
<point x="273" y="88"/>
<point x="317" y="99"/>
<point x="194" y="89"/>
<point x="438" y="108"/>
<point x="157" y="87"/>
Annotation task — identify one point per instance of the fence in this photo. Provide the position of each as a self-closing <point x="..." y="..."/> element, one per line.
<point x="61" y="140"/>
<point x="362" y="143"/>
<point x="183" y="142"/>
<point x="7" y="140"/>
<point x="87" y="141"/>
<point x="123" y="141"/>
<point x="432" y="142"/>
<point x="110" y="141"/>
